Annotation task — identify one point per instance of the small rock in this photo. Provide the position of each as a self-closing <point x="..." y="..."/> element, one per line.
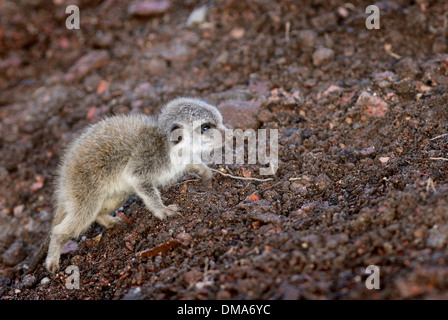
<point x="373" y="106"/>
<point x="69" y="246"/>
<point x="296" y="186"/>
<point x="290" y="292"/>
<point x="14" y="254"/>
<point x="386" y="76"/>
<point x="3" y="173"/>
<point x="240" y="114"/>
<point x="307" y="38"/>
<point x="277" y="220"/>
<point x="438" y="236"/>
<point x="333" y="89"/>
<point x="223" y="295"/>
<point x="259" y="88"/>
<point x="440" y="45"/>
<point x="406" y="88"/>
<point x="197" y="16"/>
<point x="265" y="116"/>
<point x="102" y="40"/>
<point x="184" y="237"/>
<point x="18" y="210"/>
<point x="384" y="160"/>
<point x="223" y="57"/>
<point x="157" y="66"/>
<point x="177" y="53"/>
<point x="237" y="33"/>
<point x="93" y="60"/>
<point x="29" y="280"/>
<point x="134" y="294"/>
<point x="149" y="8"/>
<point x="270" y="195"/>
<point x="407" y="68"/>
<point x="367" y="153"/>
<point x="45" y="281"/>
<point x="336" y="240"/>
<point x="91" y="82"/>
<point x="323" y="182"/>
<point x="235" y="94"/>
<point x="384" y="84"/>
<point x="192" y="276"/>
<point x="322" y="56"/>
<point x="343" y="12"/>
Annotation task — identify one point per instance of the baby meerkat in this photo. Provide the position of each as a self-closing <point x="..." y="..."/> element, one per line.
<point x="125" y="155"/>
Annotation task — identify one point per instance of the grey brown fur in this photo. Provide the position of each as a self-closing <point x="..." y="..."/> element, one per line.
<point x="120" y="156"/>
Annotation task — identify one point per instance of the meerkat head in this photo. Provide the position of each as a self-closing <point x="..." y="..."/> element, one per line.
<point x="194" y="126"/>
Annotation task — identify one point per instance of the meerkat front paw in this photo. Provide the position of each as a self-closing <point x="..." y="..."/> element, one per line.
<point x="206" y="176"/>
<point x="167" y="211"/>
<point x="204" y="172"/>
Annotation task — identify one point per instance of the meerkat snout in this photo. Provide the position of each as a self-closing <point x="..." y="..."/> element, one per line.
<point x="125" y="155"/>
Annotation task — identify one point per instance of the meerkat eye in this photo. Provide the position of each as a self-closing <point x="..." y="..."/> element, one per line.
<point x="205" y="127"/>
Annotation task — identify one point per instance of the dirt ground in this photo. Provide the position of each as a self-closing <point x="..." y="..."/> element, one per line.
<point x="363" y="136"/>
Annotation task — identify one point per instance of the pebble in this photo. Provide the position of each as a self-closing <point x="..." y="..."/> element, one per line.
<point x="373" y="106"/>
<point x="386" y="76"/>
<point x="102" y="40"/>
<point x="406" y="88"/>
<point x="184" y="237"/>
<point x="438" y="236"/>
<point x="407" y="68"/>
<point x="223" y="295"/>
<point x="148" y="8"/>
<point x="240" y="114"/>
<point x="29" y="280"/>
<point x="322" y="56"/>
<point x="14" y="254"/>
<point x="234" y="94"/>
<point x="192" y="276"/>
<point x="270" y="195"/>
<point x="307" y="38"/>
<point x="18" y="210"/>
<point x="323" y="182"/>
<point x="91" y="82"/>
<point x="69" y="246"/>
<point x="93" y="60"/>
<point x="237" y="33"/>
<point x="134" y="294"/>
<point x="332" y="89"/>
<point x="265" y="116"/>
<point x="197" y="16"/>
<point x="156" y="66"/>
<point x="367" y="153"/>
<point x="277" y="220"/>
<point x="384" y="160"/>
<point x="296" y="186"/>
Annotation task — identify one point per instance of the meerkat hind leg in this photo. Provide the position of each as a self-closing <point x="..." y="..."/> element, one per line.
<point x="109" y="205"/>
<point x="70" y="227"/>
<point x="54" y="251"/>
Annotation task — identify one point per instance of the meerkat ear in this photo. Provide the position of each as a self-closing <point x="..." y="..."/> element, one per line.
<point x="176" y="133"/>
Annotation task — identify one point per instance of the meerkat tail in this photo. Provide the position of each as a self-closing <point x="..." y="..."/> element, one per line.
<point x="39" y="257"/>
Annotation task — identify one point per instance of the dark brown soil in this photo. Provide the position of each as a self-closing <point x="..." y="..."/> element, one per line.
<point x="362" y="119"/>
